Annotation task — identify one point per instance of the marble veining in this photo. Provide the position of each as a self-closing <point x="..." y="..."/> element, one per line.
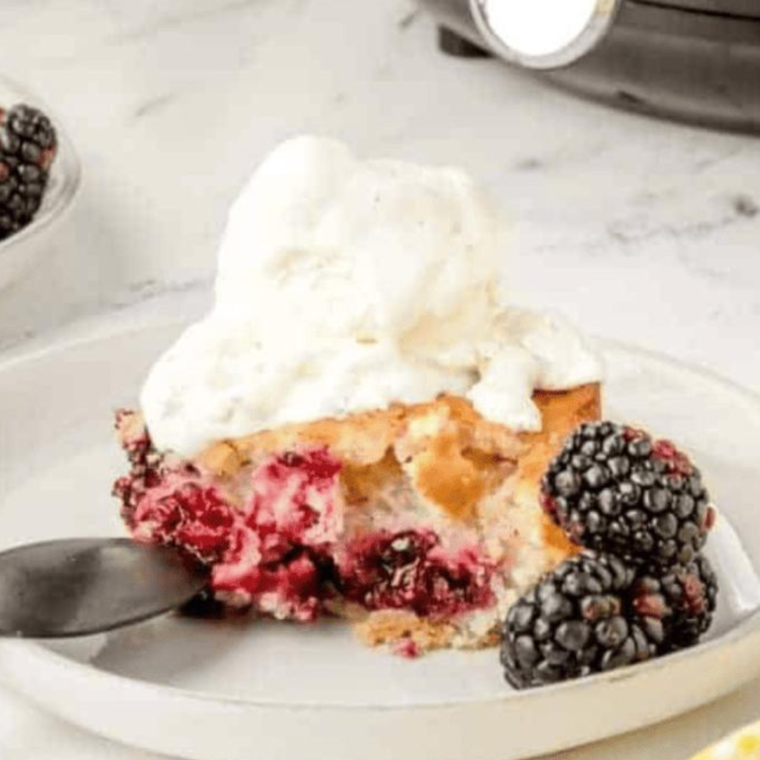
<point x="153" y="104"/>
<point x="187" y="14"/>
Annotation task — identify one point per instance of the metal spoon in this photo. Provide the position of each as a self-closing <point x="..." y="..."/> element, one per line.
<point x="80" y="586"/>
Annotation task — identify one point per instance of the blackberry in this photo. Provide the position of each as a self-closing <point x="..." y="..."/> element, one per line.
<point x="27" y="148"/>
<point x="575" y="622"/>
<point x="683" y="598"/>
<point x="614" y="489"/>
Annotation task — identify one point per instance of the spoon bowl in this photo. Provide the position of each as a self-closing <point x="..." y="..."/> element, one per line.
<point x="81" y="586"/>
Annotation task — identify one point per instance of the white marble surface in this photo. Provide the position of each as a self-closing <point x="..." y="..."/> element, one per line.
<point x="640" y="230"/>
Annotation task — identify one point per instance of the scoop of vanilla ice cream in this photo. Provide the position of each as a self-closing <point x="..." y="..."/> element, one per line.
<point x="364" y="250"/>
<point x="345" y="285"/>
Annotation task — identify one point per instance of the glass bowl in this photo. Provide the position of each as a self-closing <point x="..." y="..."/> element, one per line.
<point x="21" y="251"/>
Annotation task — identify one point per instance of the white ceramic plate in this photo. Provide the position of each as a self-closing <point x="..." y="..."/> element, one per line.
<point x="217" y="691"/>
<point x="20" y="252"/>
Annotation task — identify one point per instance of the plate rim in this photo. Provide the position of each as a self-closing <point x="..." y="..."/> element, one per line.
<point x="35" y="651"/>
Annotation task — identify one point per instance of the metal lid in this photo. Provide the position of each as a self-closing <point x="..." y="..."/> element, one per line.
<point x="544" y="35"/>
<point x="740" y="8"/>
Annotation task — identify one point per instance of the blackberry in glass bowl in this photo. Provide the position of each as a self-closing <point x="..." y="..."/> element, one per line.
<point x="39" y="178"/>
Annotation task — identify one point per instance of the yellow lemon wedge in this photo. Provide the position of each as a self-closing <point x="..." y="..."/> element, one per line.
<point x="743" y="745"/>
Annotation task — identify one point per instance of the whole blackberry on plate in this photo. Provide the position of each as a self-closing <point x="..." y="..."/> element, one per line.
<point x="683" y="598"/>
<point x="28" y="145"/>
<point x="575" y="622"/>
<point x="615" y="489"/>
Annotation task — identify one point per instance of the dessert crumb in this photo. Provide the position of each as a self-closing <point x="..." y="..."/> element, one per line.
<point x="407" y="648"/>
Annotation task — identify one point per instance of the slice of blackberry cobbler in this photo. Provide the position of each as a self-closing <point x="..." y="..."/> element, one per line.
<point x="419" y="523"/>
<point x="359" y="424"/>
<point x="431" y="540"/>
<point x="364" y="424"/>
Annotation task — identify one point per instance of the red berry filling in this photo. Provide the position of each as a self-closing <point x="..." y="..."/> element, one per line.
<point x="284" y="536"/>
<point x="283" y="551"/>
<point x="408" y="570"/>
<point x="191" y="515"/>
<point x="291" y="587"/>
<point x="296" y="503"/>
